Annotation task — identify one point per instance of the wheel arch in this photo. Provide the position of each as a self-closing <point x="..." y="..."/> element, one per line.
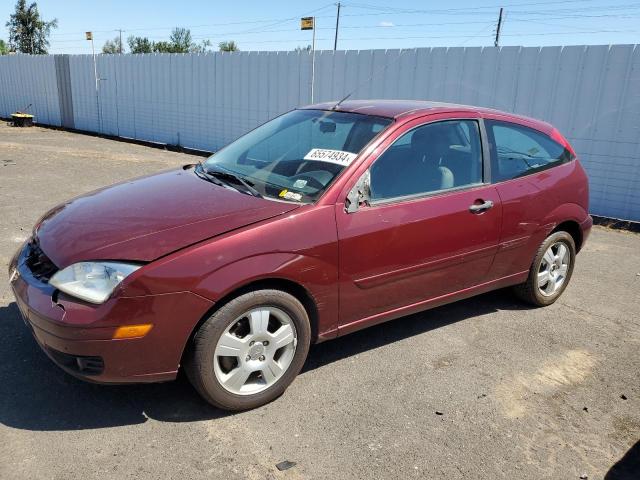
<point x="296" y="290"/>
<point x="568" y="217"/>
<point x="572" y="228"/>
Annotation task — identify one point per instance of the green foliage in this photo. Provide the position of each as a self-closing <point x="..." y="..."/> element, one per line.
<point x="112" y="46"/>
<point x="229" y="46"/>
<point x="139" y="44"/>
<point x="303" y="49"/>
<point x="4" y="50"/>
<point x="180" y="41"/>
<point x="163" y="47"/>
<point x="28" y="33"/>
<point x="202" y="47"/>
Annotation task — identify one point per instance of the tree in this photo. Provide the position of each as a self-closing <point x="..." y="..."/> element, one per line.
<point x="28" y="33"/>
<point x="113" y="46"/>
<point x="139" y="44"/>
<point x="303" y="49"/>
<point x="229" y="46"/>
<point x="3" y="48"/>
<point x="163" y="47"/>
<point x="202" y="47"/>
<point x="180" y="40"/>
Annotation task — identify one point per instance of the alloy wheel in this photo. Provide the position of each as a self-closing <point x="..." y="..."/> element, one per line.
<point x="255" y="350"/>
<point x="554" y="266"/>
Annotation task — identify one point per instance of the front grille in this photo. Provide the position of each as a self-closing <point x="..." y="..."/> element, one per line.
<point x="84" y="365"/>
<point x="40" y="266"/>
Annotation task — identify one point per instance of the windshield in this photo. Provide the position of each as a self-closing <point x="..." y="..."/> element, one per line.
<point x="296" y="156"/>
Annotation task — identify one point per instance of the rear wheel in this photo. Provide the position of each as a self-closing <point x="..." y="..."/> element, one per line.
<point x="250" y="350"/>
<point x="550" y="272"/>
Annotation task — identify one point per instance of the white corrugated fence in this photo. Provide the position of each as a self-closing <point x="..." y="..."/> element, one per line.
<point x="203" y="101"/>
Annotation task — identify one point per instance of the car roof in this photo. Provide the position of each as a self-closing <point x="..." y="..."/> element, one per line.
<point x="397" y="109"/>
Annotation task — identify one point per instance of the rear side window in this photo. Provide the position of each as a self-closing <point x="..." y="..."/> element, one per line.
<point x="518" y="151"/>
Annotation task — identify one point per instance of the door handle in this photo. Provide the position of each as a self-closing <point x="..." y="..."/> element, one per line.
<point x="481" y="207"/>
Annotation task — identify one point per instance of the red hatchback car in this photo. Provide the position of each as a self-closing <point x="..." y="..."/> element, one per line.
<point x="323" y="221"/>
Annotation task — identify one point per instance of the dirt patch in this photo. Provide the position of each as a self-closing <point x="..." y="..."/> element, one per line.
<point x="566" y="370"/>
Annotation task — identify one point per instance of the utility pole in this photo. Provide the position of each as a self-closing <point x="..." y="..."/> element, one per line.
<point x="497" y="42"/>
<point x="335" y="41"/>
<point x="119" y="30"/>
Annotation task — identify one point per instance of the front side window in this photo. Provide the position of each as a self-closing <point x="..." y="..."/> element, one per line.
<point x="297" y="155"/>
<point x="519" y="150"/>
<point x="433" y="157"/>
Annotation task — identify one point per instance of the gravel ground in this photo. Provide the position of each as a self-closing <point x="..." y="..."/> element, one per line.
<point x="484" y="388"/>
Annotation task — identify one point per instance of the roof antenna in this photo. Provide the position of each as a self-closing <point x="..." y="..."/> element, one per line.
<point x="338" y="104"/>
<point x="370" y="78"/>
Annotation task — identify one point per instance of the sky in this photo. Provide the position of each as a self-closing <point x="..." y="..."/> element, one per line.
<point x="275" y="24"/>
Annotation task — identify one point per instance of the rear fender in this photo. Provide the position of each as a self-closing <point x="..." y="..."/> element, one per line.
<point x="563" y="213"/>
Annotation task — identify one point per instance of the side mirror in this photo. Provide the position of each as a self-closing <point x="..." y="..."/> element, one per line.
<point x="360" y="194"/>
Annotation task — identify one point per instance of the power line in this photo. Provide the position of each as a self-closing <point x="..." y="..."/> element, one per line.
<point x="263" y="27"/>
<point x="511" y="6"/>
<point x="479" y="33"/>
<point x="288" y="19"/>
<point x="566" y="13"/>
<point x="504" y="35"/>
<point x="394" y="27"/>
<point x="577" y="16"/>
<point x="576" y="29"/>
<point x="274" y="22"/>
<point x="470" y="11"/>
<point x="299" y="40"/>
<point x="149" y="29"/>
<point x="293" y="18"/>
<point x="465" y="9"/>
<point x="465" y="22"/>
<point x="572" y="11"/>
<point x="139" y="29"/>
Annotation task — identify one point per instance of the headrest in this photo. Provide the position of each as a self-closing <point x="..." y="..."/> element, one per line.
<point x="430" y="137"/>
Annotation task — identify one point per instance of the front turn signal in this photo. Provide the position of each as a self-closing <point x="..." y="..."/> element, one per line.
<point x="132" y="331"/>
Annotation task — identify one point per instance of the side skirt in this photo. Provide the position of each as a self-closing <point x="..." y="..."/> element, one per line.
<point x="507" y="281"/>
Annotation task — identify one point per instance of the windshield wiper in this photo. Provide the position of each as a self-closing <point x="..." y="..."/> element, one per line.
<point x="227" y="175"/>
<point x="202" y="173"/>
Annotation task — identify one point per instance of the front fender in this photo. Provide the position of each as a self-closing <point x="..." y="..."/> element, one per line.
<point x="319" y="278"/>
<point x="301" y="248"/>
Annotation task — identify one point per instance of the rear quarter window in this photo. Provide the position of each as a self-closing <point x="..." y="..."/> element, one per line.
<point x="517" y="151"/>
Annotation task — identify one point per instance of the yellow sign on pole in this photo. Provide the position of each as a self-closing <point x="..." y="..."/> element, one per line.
<point x="306" y="23"/>
<point x="89" y="35"/>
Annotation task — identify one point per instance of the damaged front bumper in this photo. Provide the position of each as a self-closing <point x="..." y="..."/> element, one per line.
<point x="78" y="336"/>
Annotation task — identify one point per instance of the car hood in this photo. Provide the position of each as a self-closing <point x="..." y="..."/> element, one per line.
<point x="148" y="217"/>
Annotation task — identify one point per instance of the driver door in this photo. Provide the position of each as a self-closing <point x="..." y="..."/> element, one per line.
<point x="430" y="228"/>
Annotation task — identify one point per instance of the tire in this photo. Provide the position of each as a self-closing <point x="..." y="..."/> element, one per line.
<point x="253" y="328"/>
<point x="537" y="292"/>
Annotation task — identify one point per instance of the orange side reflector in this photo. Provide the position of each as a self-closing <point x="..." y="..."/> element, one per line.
<point x="132" y="331"/>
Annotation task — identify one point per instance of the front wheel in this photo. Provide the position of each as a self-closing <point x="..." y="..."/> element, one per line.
<point x="249" y="351"/>
<point x="550" y="272"/>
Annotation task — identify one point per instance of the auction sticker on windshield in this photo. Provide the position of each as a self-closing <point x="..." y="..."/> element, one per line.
<point x="338" y="157"/>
